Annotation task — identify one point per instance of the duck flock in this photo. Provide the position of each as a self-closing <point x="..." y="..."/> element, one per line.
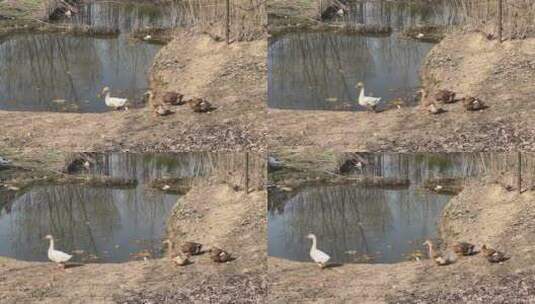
<point x="441" y="258"/>
<point x="180" y="257"/>
<point x="161" y="108"/>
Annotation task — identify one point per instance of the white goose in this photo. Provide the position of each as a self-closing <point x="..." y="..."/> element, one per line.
<point x="367" y="101"/>
<point x="113" y="102"/>
<point x="317" y="255"/>
<point x="57" y="256"/>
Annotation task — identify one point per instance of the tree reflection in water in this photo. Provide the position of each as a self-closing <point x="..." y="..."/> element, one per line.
<point x="320" y="70"/>
<point x="128" y="17"/>
<point x="386" y="224"/>
<point x="382" y="224"/>
<point x="404" y="14"/>
<point x="109" y="223"/>
<point x="53" y="72"/>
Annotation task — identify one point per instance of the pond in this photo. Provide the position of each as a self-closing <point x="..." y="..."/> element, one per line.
<point x="320" y="71"/>
<point x="111" y="224"/>
<point x="66" y="73"/>
<point x="354" y="224"/>
<point x="357" y="224"/>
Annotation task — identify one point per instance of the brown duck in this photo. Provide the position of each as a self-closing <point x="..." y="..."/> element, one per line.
<point x="445" y="96"/>
<point x="191" y="248"/>
<point x="199" y="105"/>
<point x="473" y="104"/>
<point x="493" y="255"/>
<point x="219" y="255"/>
<point x="173" y="98"/>
<point x="464" y="248"/>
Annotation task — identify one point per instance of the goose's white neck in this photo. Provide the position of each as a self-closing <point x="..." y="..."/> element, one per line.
<point x="361" y="96"/>
<point x="313" y="243"/>
<point x="51" y="244"/>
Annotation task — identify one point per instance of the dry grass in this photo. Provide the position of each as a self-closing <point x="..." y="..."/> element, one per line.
<point x="247" y="17"/>
<point x="230" y="168"/>
<point x="518" y="16"/>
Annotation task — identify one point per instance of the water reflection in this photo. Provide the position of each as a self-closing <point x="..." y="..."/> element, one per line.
<point x="53" y="72"/>
<point x="380" y="225"/>
<point x="319" y="71"/>
<point x="127" y="17"/>
<point x="355" y="224"/>
<point x="419" y="167"/>
<point x="149" y="166"/>
<point x="111" y="224"/>
<point x="404" y="14"/>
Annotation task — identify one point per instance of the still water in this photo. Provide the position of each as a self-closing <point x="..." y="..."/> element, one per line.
<point x="66" y="73"/>
<point x="353" y="224"/>
<point x="356" y="224"/>
<point x="113" y="224"/>
<point x="54" y="72"/>
<point x="319" y="71"/>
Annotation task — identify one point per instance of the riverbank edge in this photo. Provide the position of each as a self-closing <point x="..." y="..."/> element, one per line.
<point x="308" y="168"/>
<point x="412" y="282"/>
<point x="153" y="279"/>
<point x="287" y="17"/>
<point x="35" y="20"/>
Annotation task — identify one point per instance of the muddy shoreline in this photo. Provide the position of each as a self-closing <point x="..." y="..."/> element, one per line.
<point x="496" y="73"/>
<point x="158" y="279"/>
<point x="233" y="80"/>
<point x="464" y="218"/>
<point x="481" y="68"/>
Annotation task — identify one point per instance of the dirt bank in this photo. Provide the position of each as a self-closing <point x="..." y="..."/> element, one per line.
<point x="483" y="212"/>
<point x="232" y="78"/>
<point x="240" y="219"/>
<point x="467" y="63"/>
